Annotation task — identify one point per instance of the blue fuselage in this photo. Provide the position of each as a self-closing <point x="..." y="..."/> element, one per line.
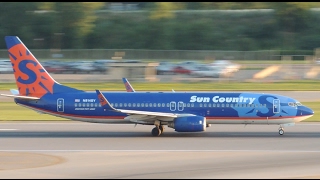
<point x="217" y="107"/>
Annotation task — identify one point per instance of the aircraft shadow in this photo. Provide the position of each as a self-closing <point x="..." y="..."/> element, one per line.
<point x="134" y="134"/>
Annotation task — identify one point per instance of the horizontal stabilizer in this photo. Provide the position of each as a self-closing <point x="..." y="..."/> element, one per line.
<point x="14" y="91"/>
<point x="20" y="97"/>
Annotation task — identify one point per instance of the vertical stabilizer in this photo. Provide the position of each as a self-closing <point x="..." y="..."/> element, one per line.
<point x="31" y="78"/>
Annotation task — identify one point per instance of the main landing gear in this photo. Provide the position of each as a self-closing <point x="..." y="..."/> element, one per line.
<point x="156" y="131"/>
<point x="281" y="131"/>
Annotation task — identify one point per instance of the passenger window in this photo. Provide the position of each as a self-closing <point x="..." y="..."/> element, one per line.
<point x="134" y="104"/>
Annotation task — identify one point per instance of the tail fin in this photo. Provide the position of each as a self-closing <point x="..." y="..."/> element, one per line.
<point x="31" y="78"/>
<point x="128" y="86"/>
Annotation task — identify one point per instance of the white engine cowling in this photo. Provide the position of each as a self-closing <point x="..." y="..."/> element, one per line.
<point x="189" y="124"/>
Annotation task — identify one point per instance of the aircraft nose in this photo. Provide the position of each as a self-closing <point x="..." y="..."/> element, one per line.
<point x="304" y="110"/>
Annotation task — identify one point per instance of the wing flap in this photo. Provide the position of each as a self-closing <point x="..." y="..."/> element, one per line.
<point x="150" y="113"/>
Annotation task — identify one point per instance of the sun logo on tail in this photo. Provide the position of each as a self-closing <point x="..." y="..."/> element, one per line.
<point x="102" y="100"/>
<point x="128" y="87"/>
<point x="31" y="78"/>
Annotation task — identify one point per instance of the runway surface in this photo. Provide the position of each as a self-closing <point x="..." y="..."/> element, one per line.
<point x="86" y="150"/>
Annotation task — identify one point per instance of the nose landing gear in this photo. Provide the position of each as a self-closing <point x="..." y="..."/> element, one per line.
<point x="281" y="131"/>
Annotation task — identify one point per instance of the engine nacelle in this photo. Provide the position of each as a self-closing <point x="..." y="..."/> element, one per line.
<point x="189" y="124"/>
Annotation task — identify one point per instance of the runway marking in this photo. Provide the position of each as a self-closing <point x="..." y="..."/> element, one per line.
<point x="106" y="124"/>
<point x="8" y="129"/>
<point x="83" y="150"/>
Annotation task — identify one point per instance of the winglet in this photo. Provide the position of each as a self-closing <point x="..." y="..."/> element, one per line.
<point x="128" y="86"/>
<point x="104" y="102"/>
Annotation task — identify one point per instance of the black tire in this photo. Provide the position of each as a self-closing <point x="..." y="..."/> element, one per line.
<point x="155" y="131"/>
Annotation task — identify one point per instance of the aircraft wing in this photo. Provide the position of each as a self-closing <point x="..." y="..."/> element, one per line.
<point x="138" y="115"/>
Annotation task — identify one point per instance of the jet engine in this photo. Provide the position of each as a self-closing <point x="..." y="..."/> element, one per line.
<point x="189" y="124"/>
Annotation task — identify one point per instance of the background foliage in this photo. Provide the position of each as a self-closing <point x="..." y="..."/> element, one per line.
<point x="164" y="25"/>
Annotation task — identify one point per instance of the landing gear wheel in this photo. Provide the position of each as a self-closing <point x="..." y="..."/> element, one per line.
<point x="281" y="131"/>
<point x="155" y="131"/>
<point x="161" y="128"/>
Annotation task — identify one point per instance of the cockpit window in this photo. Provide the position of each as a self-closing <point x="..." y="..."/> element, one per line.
<point x="298" y="104"/>
<point x="291" y="104"/>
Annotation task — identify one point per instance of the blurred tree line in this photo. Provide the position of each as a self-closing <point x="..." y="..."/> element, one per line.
<point x="163" y="25"/>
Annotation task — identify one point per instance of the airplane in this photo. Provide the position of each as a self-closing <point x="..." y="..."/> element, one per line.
<point x="182" y="111"/>
<point x="128" y="86"/>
